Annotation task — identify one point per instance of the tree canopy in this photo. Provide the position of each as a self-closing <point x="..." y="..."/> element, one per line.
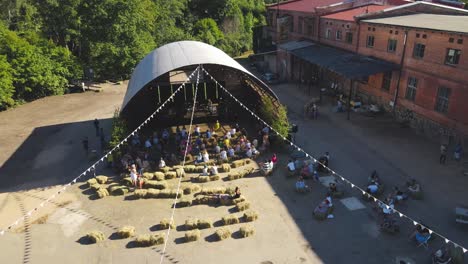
<point x="45" y="44"/>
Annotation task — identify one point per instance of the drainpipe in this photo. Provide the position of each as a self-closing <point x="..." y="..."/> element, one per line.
<point x="358" y="37"/>
<point x="318" y="30"/>
<point x="402" y="61"/>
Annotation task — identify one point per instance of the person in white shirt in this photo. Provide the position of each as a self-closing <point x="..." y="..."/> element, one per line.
<point x="255" y="152"/>
<point x="204" y="171"/>
<point x="233" y="131"/>
<point x="197" y="130"/>
<point x="148" y="143"/>
<point x="217" y="149"/>
<point x="206" y="157"/>
<point x="223" y="155"/>
<point x="248" y="144"/>
<point x="162" y="163"/>
<point x="214" y="170"/>
<point x="291" y="166"/>
<point x="255" y="143"/>
<point x="231" y="152"/>
<point x="248" y="153"/>
<point x="228" y="135"/>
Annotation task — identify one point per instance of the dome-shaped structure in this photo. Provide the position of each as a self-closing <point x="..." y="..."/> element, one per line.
<point x="183" y="55"/>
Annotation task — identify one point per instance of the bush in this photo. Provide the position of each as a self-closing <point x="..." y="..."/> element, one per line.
<point x="250" y="216"/>
<point x="101" y="179"/>
<point x="170" y="175"/>
<point x="160" y="185"/>
<point x="203" y="224"/>
<point x="223" y="233"/>
<point x="230" y="220"/>
<point x="242" y="206"/>
<point x="191" y="224"/>
<point x="159" y="176"/>
<point x="164" y="224"/>
<point x="193" y="235"/>
<point x="149" y="240"/>
<point x="95" y="236"/>
<point x="126" y="232"/>
<point x="276" y="115"/>
<point x="247" y="231"/>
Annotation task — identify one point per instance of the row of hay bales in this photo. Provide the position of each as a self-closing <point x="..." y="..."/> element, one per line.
<point x="145" y="240"/>
<point x="98" y="185"/>
<point x="240" y="174"/>
<point x="155" y="193"/>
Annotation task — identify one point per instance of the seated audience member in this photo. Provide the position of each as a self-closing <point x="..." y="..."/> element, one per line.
<point x="332" y="187"/>
<point x="274" y="158"/>
<point x="225" y="196"/>
<point x="301" y="186"/>
<point x="233" y="131"/>
<point x="291" y="166"/>
<point x="231" y="152"/>
<point x="217" y="149"/>
<point x="413" y="186"/>
<point x="420" y="234"/>
<point x="373" y="188"/>
<point x="199" y="158"/>
<point x="197" y="131"/>
<point x="398" y="194"/>
<point x="223" y="155"/>
<point x="255" y="143"/>
<point x="255" y="152"/>
<point x="214" y="170"/>
<point x="206" y="156"/>
<point x="227" y="142"/>
<point x="148" y="143"/>
<point x="267" y="167"/>
<point x="248" y="153"/>
<point x="208" y="133"/>
<point x="162" y="163"/>
<point x="217" y="126"/>
<point x="165" y="136"/>
<point x="183" y="133"/>
<point x="204" y="171"/>
<point x="228" y="135"/>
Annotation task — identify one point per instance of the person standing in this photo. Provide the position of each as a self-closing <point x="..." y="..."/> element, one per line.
<point x="86" y="145"/>
<point x="443" y="154"/>
<point x="458" y="151"/>
<point x="96" y="126"/>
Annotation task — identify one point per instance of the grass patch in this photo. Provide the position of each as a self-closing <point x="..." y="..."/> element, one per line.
<point x="203" y="224"/>
<point x="230" y="220"/>
<point x="192" y="235"/>
<point x="149" y="240"/>
<point x="250" y="216"/>
<point x="247" y="231"/>
<point x="95" y="236"/>
<point x="126" y="232"/>
<point x="242" y="206"/>
<point x="223" y="233"/>
<point x="164" y="224"/>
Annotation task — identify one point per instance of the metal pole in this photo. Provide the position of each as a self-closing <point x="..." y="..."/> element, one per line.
<point x="159" y="95"/>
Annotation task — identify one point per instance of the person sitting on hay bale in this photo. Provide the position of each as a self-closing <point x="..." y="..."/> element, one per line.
<point x="225" y="196"/>
<point x="301" y="187"/>
<point x="206" y="156"/>
<point x="214" y="170"/>
<point x="136" y="178"/>
<point x="414" y="189"/>
<point x="333" y="189"/>
<point x="205" y="171"/>
<point x="324" y="209"/>
<point x="162" y="163"/>
<point x="230" y="153"/>
<point x="248" y="153"/>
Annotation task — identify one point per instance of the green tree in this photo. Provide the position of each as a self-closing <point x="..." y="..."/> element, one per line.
<point x="206" y="30"/>
<point x="275" y="115"/>
<point x="6" y="84"/>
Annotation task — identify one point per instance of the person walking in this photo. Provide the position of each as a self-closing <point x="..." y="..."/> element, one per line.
<point x="443" y="154"/>
<point x="86" y="145"/>
<point x="96" y="126"/>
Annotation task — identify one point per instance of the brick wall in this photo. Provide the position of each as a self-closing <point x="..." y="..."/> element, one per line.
<point x="335" y="25"/>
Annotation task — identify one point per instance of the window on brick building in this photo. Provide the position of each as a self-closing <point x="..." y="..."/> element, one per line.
<point x="452" y="57"/>
<point x="411" y="89"/>
<point x="387" y="80"/>
<point x="392" y="45"/>
<point x="451" y="40"/>
<point x="328" y="33"/>
<point x="459" y="41"/>
<point x="442" y="101"/>
<point x="300" y="25"/>
<point x="349" y="37"/>
<point x="310" y="25"/>
<point x="418" y="51"/>
<point x="370" y="41"/>
<point x="339" y="35"/>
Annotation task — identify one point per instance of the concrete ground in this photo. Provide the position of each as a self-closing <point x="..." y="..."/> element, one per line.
<point x="41" y="148"/>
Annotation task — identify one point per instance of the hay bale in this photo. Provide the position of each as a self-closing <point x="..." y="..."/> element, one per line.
<point x="160" y="185"/>
<point x="205" y="200"/>
<point x="159" y="176"/>
<point x="170" y="175"/>
<point x="247" y="161"/>
<point x="189" y="168"/>
<point x="214" y="177"/>
<point x="247" y="231"/>
<point x="126" y="232"/>
<point x="148" y="175"/>
<point x="234" y="176"/>
<point x="120" y="191"/>
<point x="152" y="193"/>
<point x="101" y="193"/>
<point x="95" y="187"/>
<point x="191" y="188"/>
<point x="127" y="181"/>
<point x="165" y="224"/>
<point x="230" y="220"/>
<point x="238" y="200"/>
<point x="95" y="236"/>
<point x="101" y="179"/>
<point x="184" y="202"/>
<point x="113" y="187"/>
<point x="198" y="169"/>
<point x="180" y="173"/>
<point x="216" y="190"/>
<point x="149" y="240"/>
<point x="165" y="169"/>
<point x="175" y="167"/>
<point x="242" y="206"/>
<point x="139" y="194"/>
<point x="91" y="182"/>
<point x="225" y="168"/>
<point x="168" y="193"/>
<point x="250" y="216"/>
<point x="203" y="224"/>
<point x="238" y="163"/>
<point x="223" y="233"/>
<point x="191" y="224"/>
<point x="193" y="235"/>
<point x="203" y="178"/>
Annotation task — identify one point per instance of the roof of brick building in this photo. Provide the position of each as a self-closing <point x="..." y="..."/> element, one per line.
<point x="348" y="15"/>
<point x="304" y="5"/>
<point x="426" y="21"/>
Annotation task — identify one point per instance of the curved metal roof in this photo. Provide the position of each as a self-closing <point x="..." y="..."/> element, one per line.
<point x="177" y="55"/>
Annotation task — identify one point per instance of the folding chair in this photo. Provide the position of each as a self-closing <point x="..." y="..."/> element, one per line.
<point x="424" y="242"/>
